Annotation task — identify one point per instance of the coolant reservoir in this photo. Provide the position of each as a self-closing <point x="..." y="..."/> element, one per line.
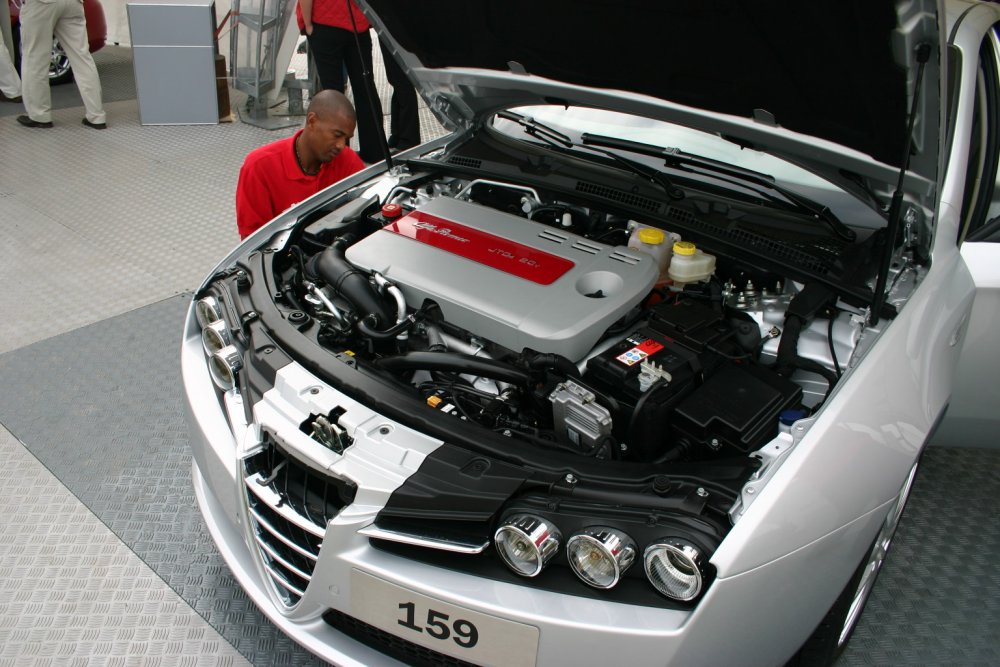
<point x="690" y="264"/>
<point x="656" y="243"/>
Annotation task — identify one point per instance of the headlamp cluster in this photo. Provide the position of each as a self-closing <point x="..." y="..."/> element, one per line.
<point x="600" y="555"/>
<point x="224" y="358"/>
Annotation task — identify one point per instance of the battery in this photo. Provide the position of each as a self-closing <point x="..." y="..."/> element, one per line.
<point x="642" y="358"/>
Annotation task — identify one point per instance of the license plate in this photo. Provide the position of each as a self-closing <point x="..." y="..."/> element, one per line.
<point x="446" y="628"/>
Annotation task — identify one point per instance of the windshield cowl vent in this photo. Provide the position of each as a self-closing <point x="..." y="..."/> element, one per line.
<point x="465" y="161"/>
<point x="620" y="196"/>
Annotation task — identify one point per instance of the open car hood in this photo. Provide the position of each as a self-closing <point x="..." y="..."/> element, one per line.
<point x="800" y="80"/>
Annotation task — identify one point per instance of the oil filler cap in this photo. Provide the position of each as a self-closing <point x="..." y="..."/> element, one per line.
<point x="391" y="211"/>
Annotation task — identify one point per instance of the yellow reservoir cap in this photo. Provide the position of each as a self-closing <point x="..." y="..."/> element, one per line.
<point x="684" y="248"/>
<point x="651" y="236"/>
<point x="434" y="401"/>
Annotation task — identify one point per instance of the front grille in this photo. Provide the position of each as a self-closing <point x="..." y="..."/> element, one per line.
<point x="389" y="644"/>
<point x="289" y="506"/>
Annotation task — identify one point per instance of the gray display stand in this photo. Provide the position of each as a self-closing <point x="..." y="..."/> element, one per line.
<point x="173" y="49"/>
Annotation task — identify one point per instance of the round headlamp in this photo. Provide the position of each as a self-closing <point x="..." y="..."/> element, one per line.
<point x="674" y="567"/>
<point x="527" y="543"/>
<point x="224" y="365"/>
<point x="600" y="555"/>
<point x="207" y="310"/>
<point x="215" y="336"/>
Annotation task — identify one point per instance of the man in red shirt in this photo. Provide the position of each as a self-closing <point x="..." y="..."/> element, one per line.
<point x="275" y="176"/>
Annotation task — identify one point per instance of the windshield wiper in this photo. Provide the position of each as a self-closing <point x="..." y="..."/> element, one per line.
<point x="557" y="139"/>
<point x="674" y="157"/>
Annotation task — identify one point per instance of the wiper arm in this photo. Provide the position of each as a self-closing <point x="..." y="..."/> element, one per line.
<point x="533" y="128"/>
<point x="554" y="137"/>
<point x="674" y="157"/>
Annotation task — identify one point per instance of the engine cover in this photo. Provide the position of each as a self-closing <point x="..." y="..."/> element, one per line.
<point x="514" y="281"/>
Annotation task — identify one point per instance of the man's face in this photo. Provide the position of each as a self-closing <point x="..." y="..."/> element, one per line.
<point x="328" y="134"/>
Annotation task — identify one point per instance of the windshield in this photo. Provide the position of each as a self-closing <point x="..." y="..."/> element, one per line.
<point x="579" y="121"/>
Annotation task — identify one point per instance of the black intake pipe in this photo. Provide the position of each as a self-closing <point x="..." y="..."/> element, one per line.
<point x="455" y="363"/>
<point x="350" y="282"/>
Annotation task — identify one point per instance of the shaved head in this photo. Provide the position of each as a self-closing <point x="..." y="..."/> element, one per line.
<point x="330" y="124"/>
<point x="328" y="103"/>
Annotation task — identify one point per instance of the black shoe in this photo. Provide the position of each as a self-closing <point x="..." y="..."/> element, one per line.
<point x="27" y="122"/>
<point x="96" y="126"/>
<point x="5" y="98"/>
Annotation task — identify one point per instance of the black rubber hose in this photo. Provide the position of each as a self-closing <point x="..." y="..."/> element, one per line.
<point x="454" y="362"/>
<point x="391" y="332"/>
<point x="556" y="361"/>
<point x="350" y="282"/>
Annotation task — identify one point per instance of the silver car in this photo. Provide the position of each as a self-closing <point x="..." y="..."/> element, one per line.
<point x="637" y="363"/>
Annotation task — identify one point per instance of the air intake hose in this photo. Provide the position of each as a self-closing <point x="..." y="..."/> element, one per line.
<point x="456" y="363"/>
<point x="349" y="281"/>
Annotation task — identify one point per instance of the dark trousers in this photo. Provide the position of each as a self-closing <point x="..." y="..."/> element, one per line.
<point x="333" y="49"/>
<point x="405" y="123"/>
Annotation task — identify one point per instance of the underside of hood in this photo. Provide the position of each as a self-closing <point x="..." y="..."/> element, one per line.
<point x="843" y="72"/>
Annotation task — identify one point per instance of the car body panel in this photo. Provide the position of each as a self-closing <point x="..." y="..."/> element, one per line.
<point x="801" y="524"/>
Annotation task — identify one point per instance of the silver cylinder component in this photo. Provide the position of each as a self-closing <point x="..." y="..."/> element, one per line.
<point x="578" y="417"/>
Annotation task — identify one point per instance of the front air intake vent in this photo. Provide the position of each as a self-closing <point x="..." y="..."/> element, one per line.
<point x="289" y="506"/>
<point x="589" y="248"/>
<point x="620" y="196"/>
<point x="624" y="258"/>
<point x="554" y="237"/>
<point x="465" y="161"/>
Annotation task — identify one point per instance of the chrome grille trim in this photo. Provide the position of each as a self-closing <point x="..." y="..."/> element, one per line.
<point x="278" y="536"/>
<point x="276" y="556"/>
<point x="441" y="544"/>
<point x="281" y="581"/>
<point x="273" y="501"/>
<point x="288" y="507"/>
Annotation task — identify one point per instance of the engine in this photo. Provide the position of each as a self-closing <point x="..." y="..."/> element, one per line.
<point x="519" y="282"/>
<point x="529" y="316"/>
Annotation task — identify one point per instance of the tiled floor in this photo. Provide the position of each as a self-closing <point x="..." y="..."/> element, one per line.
<point x="103" y="557"/>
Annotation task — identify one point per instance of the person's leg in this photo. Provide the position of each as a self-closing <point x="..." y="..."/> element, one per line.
<point x="37" y="21"/>
<point x="366" y="101"/>
<point x="327" y="50"/>
<point x="71" y="31"/>
<point x="405" y="121"/>
<point x="10" y="82"/>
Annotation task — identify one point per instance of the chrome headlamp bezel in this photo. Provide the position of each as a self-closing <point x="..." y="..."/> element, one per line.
<point x="215" y="336"/>
<point x="615" y="547"/>
<point x="537" y="537"/>
<point x="207" y="310"/>
<point x="681" y="561"/>
<point x="224" y="365"/>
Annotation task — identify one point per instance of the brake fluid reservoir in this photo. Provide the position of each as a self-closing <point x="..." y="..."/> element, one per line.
<point x="690" y="264"/>
<point x="656" y="243"/>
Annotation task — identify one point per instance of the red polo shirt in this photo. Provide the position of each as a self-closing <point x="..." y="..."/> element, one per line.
<point x="334" y="14"/>
<point x="271" y="181"/>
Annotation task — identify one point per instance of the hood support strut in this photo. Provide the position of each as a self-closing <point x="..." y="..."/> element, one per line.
<point x="923" y="53"/>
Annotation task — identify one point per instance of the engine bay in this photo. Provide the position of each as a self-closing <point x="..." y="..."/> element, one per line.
<point x="554" y="323"/>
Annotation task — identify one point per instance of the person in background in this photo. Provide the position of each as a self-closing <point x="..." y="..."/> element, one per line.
<point x="10" y="82"/>
<point x="331" y="27"/>
<point x="282" y="173"/>
<point x="404" y="129"/>
<point x="40" y="20"/>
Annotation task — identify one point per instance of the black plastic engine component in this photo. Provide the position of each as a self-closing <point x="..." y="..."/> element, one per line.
<point x="736" y="407"/>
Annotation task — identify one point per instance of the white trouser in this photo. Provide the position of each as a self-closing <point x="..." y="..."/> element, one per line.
<point x="10" y="82"/>
<point x="40" y="20"/>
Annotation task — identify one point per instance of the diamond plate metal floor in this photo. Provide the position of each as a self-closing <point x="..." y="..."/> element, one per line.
<point x="105" y="560"/>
